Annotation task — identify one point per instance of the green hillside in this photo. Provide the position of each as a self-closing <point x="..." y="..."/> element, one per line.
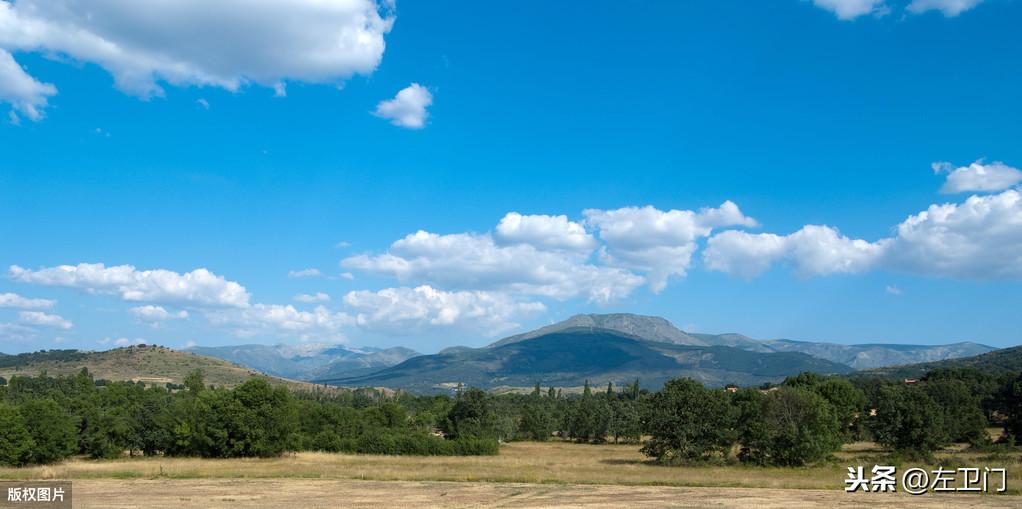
<point x="1005" y="360"/>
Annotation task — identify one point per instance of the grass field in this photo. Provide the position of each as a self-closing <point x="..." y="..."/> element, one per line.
<point x="546" y="472"/>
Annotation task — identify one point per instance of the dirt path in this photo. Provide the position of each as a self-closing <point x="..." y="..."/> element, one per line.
<point x="321" y="494"/>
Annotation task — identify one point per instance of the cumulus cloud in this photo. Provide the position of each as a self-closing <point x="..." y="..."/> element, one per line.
<point x="980" y="238"/>
<point x="228" y="44"/>
<point x="476" y="262"/>
<point x="13" y="300"/>
<point x="198" y="287"/>
<point x="44" y="320"/>
<point x="308" y="298"/>
<point x="407" y="108"/>
<point x="283" y="321"/>
<point x="978" y="177"/>
<point x="850" y="9"/>
<point x="24" y="93"/>
<point x="544" y="232"/>
<point x="949" y="8"/>
<point x="294" y="274"/>
<point x="156" y="314"/>
<point x="408" y="310"/>
<point x="660" y="243"/>
<point x="814" y="250"/>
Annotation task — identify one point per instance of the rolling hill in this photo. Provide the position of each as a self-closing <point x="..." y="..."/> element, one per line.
<point x="151" y="364"/>
<point x="307" y="362"/>
<point x="568" y="357"/>
<point x="1005" y="360"/>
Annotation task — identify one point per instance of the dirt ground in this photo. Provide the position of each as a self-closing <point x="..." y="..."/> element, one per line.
<point x="322" y="494"/>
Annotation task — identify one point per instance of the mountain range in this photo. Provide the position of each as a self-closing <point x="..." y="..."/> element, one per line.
<point x="571" y="356"/>
<point x="597" y="347"/>
<point x="309" y="361"/>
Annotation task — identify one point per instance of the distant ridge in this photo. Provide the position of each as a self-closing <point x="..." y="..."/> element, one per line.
<point x="155" y="365"/>
<point x="1005" y="360"/>
<point x="570" y="356"/>
<point x="858" y="356"/>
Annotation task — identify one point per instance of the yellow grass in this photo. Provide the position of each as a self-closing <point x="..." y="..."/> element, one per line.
<point x="521" y="462"/>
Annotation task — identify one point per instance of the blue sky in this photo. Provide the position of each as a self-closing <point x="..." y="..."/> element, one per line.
<point x="215" y="168"/>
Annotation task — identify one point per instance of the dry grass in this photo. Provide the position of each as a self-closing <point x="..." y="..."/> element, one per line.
<point x="521" y="462"/>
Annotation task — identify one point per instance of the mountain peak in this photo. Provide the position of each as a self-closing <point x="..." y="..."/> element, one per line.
<point x="652" y="328"/>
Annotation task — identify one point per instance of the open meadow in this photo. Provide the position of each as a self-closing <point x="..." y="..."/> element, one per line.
<point x="524" y="474"/>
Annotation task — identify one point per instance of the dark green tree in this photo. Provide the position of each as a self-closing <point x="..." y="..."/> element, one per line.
<point x="963" y="415"/>
<point x="471" y="416"/>
<point x="52" y="429"/>
<point x="688" y="422"/>
<point x="908" y="420"/>
<point x="795" y="426"/>
<point x="16" y="443"/>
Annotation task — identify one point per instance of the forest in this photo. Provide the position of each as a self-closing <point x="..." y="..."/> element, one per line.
<point x="801" y="421"/>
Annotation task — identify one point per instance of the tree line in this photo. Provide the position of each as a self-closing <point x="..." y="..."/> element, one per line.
<point x="801" y="421"/>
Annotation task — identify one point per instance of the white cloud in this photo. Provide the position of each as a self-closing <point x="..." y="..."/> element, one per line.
<point x="155" y="314"/>
<point x="544" y="232"/>
<point x="283" y="321"/>
<point x="850" y="9"/>
<point x="44" y="320"/>
<point x="893" y="290"/>
<point x="743" y="254"/>
<point x="13" y="300"/>
<point x="304" y="273"/>
<point x="23" y="92"/>
<point x="198" y="287"/>
<point x="980" y="238"/>
<point x="660" y="243"/>
<point x="17" y="332"/>
<point x="202" y="102"/>
<point x="190" y="344"/>
<point x="467" y="261"/>
<point x="307" y="298"/>
<point x="228" y="43"/>
<point x="121" y="342"/>
<point x="409" y="310"/>
<point x="949" y="8"/>
<point x="814" y="250"/>
<point x="347" y="275"/>
<point x="407" y="108"/>
<point x="978" y="177"/>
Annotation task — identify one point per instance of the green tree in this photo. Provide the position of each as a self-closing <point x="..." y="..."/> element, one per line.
<point x="688" y="422"/>
<point x="795" y="426"/>
<point x="16" y="443"/>
<point x="52" y="429"/>
<point x="963" y="415"/>
<point x="471" y="416"/>
<point x="1012" y="395"/>
<point x="909" y="420"/>
<point x="848" y="403"/>
<point x="194" y="382"/>
<point x="537" y="422"/>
